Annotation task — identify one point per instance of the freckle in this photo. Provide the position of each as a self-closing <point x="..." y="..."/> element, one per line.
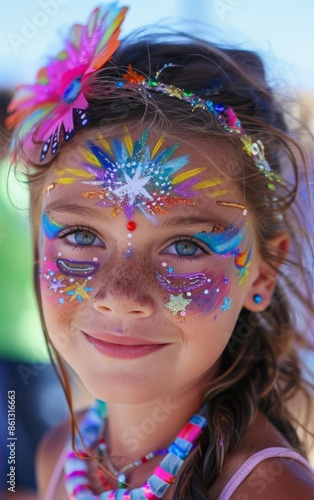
<point x="164" y="264"/>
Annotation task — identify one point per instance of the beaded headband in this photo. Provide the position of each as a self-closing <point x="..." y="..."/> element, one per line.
<point x="56" y="103"/>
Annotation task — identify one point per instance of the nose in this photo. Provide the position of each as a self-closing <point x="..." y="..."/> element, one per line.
<point x="124" y="298"/>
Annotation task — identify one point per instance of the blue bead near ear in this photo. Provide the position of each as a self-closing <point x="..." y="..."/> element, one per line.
<point x="258" y="299"/>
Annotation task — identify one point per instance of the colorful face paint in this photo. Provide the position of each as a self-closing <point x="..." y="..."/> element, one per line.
<point x="77" y="268"/>
<point x="177" y="283"/>
<point x="79" y="292"/>
<point x="177" y="304"/>
<point x="202" y="292"/>
<point x="64" y="287"/>
<point x="226" y="305"/>
<point x="242" y="262"/>
<point x="51" y="227"/>
<point x="226" y="243"/>
<point x="132" y="177"/>
<point x="131" y="226"/>
<point x="49" y="188"/>
<point x="233" y="205"/>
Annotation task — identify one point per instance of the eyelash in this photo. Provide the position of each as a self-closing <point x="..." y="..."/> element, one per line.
<point x="76" y="229"/>
<point x="204" y="249"/>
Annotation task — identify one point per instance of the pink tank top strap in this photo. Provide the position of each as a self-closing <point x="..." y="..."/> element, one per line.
<point x="253" y="461"/>
<point x="55" y="476"/>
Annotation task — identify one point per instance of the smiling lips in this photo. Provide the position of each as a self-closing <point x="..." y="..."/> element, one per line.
<point x="115" y="346"/>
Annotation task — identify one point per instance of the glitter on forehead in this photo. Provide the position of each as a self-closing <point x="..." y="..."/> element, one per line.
<point x="231" y="205"/>
<point x="131" y="177"/>
<point x="49" y="188"/>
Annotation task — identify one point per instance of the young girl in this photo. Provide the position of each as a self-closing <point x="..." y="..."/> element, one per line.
<point x="168" y="268"/>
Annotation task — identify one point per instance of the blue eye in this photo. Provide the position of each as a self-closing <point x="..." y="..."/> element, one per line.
<point x="84" y="238"/>
<point x="81" y="237"/>
<point x="186" y="248"/>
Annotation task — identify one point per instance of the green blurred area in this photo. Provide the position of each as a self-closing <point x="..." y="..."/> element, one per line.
<point x="21" y="336"/>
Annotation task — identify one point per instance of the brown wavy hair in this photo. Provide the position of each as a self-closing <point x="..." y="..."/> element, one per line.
<point x="268" y="341"/>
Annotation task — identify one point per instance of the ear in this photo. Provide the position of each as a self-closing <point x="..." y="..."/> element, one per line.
<point x="261" y="290"/>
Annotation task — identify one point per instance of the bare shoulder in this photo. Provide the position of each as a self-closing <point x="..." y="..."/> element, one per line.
<point x="272" y="478"/>
<point x="277" y="478"/>
<point x="48" y="453"/>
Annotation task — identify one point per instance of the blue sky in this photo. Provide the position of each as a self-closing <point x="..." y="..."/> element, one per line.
<point x="281" y="30"/>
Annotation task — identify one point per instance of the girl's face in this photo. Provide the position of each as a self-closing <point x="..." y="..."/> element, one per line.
<point x="147" y="256"/>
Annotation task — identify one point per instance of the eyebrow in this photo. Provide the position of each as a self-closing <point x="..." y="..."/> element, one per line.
<point x="193" y="221"/>
<point x="80" y="210"/>
<point x="93" y="213"/>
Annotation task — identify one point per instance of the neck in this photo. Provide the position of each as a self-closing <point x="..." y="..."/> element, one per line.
<point x="132" y="431"/>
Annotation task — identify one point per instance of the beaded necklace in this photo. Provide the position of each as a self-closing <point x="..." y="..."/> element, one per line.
<point x="120" y="474"/>
<point x="76" y="469"/>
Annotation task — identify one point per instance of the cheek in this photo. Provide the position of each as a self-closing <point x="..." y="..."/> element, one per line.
<point x="65" y="281"/>
<point x="204" y="292"/>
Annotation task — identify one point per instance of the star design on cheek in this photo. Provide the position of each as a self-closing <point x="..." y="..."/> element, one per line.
<point x="80" y="292"/>
<point x="55" y="284"/>
<point x="226" y="305"/>
<point x="177" y="303"/>
<point x="134" y="186"/>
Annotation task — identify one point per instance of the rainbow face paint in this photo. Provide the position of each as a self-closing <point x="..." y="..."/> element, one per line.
<point x="226" y="243"/>
<point x="50" y="226"/>
<point x="242" y="262"/>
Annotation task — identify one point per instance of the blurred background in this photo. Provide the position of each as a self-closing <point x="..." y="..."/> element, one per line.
<point x="282" y="32"/>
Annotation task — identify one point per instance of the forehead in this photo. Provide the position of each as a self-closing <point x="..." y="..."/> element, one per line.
<point x="148" y="171"/>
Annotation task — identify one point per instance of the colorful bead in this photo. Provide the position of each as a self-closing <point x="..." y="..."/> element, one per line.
<point x="76" y="470"/>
